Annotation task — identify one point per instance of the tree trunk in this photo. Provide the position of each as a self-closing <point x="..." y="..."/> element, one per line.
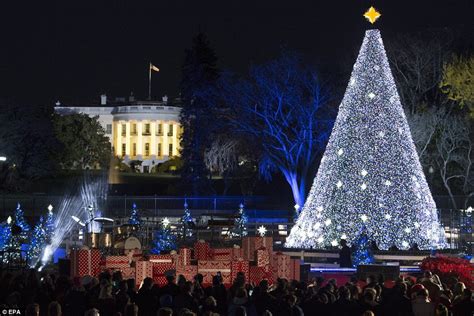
<point x="297" y="187"/>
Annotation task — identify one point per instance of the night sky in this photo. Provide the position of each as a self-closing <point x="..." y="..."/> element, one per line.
<point x="75" y="51"/>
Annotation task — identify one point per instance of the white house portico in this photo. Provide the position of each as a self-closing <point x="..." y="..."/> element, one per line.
<point x="148" y="131"/>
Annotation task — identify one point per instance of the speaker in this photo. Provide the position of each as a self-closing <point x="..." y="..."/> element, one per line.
<point x="304" y="272"/>
<point x="64" y="267"/>
<point x="389" y="272"/>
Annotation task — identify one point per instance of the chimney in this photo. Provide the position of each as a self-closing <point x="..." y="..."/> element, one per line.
<point x="131" y="98"/>
<point x="165" y="99"/>
<point x="103" y="99"/>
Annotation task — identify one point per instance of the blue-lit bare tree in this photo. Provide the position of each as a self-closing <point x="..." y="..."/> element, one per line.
<point x="282" y="106"/>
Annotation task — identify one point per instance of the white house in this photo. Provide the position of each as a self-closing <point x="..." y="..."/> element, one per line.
<point x="138" y="130"/>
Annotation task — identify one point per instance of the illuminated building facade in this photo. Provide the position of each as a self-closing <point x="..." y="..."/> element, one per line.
<point x="148" y="131"/>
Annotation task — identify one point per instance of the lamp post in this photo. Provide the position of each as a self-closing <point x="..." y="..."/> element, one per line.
<point x="3" y="158"/>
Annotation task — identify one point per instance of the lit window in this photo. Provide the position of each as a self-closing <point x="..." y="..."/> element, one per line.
<point x="124" y="150"/>
<point x="134" y="129"/>
<point x="124" y="129"/>
<point x="147" y="129"/>
<point x="159" y="150"/>
<point x="170" y="130"/>
<point x="134" y="149"/>
<point x="147" y="149"/>
<point x="159" y="132"/>
<point x="170" y="150"/>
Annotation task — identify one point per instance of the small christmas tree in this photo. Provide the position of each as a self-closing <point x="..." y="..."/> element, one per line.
<point x="21" y="222"/>
<point x="12" y="253"/>
<point x="163" y="239"/>
<point x="240" y="223"/>
<point x="363" y="253"/>
<point x="5" y="235"/>
<point x="134" y="218"/>
<point x="37" y="243"/>
<point x="186" y="220"/>
<point x="50" y="224"/>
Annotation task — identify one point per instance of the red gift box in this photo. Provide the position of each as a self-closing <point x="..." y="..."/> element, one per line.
<point x="169" y="259"/>
<point x="161" y="270"/>
<point x="85" y="262"/>
<point x="128" y="273"/>
<point x="209" y="268"/>
<point x="188" y="271"/>
<point x="184" y="257"/>
<point x="281" y="266"/>
<point x="143" y="270"/>
<point x="134" y="255"/>
<point x="263" y="257"/>
<point x="225" y="254"/>
<point x="240" y="266"/>
<point x="295" y="269"/>
<point x="202" y="250"/>
<point x="237" y="253"/>
<point x="250" y="244"/>
<point x="116" y="262"/>
<point x="258" y="274"/>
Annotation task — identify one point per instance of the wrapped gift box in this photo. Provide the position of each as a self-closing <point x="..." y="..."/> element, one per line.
<point x="188" y="271"/>
<point x="184" y="257"/>
<point x="210" y="268"/>
<point x="225" y="254"/>
<point x="85" y="262"/>
<point x="251" y="244"/>
<point x="263" y="257"/>
<point x="134" y="255"/>
<point x="237" y="253"/>
<point x="281" y="266"/>
<point x="143" y="270"/>
<point x="128" y="273"/>
<point x="240" y="266"/>
<point x="295" y="269"/>
<point x="202" y="250"/>
<point x="258" y="274"/>
<point x="168" y="258"/>
<point x="116" y="262"/>
<point x="161" y="270"/>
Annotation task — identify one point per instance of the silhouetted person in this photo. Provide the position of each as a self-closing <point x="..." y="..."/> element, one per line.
<point x="54" y="309"/>
<point x="185" y="300"/>
<point x="345" y="255"/>
<point x="414" y="247"/>
<point x="262" y="299"/>
<point x="373" y="245"/>
<point x="131" y="290"/>
<point x="219" y="292"/>
<point x="32" y="310"/>
<point x="464" y="306"/>
<point x="146" y="300"/>
<point x="171" y="288"/>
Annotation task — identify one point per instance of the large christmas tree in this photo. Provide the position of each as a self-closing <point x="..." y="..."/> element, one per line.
<point x="370" y="173"/>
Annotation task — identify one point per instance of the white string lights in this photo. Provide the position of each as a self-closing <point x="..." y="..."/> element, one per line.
<point x="370" y="177"/>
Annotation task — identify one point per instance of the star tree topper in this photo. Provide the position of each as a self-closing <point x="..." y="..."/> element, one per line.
<point x="372" y="15"/>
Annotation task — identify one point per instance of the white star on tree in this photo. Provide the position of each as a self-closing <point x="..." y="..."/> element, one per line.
<point x="262" y="230"/>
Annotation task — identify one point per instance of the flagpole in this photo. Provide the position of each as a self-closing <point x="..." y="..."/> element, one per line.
<point x="149" y="81"/>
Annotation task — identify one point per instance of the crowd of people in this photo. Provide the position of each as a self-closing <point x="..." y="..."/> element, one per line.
<point x="35" y="294"/>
